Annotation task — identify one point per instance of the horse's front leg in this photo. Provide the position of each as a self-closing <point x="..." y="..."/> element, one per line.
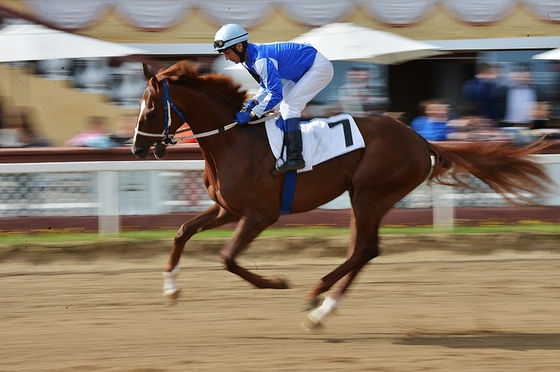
<point x="247" y="230"/>
<point x="214" y="216"/>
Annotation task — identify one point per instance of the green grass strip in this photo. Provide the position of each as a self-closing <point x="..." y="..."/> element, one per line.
<point x="319" y="232"/>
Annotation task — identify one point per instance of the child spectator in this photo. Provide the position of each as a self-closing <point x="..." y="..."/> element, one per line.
<point x="433" y="124"/>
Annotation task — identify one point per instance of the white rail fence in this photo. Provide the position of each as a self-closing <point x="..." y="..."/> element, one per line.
<point x="112" y="189"/>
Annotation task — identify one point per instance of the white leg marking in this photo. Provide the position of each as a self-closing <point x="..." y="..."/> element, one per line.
<point x="170" y="289"/>
<point x="315" y="318"/>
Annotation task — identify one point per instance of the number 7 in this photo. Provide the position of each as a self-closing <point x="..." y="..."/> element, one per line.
<point x="347" y="130"/>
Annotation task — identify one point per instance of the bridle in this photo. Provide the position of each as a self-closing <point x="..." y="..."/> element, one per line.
<point x="169" y="138"/>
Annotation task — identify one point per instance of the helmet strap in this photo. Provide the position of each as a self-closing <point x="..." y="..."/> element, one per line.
<point x="241" y="54"/>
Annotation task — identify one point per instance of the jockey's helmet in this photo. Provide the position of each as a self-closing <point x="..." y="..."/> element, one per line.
<point x="228" y="36"/>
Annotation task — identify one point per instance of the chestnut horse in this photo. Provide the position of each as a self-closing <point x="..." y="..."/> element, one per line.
<point x="239" y="161"/>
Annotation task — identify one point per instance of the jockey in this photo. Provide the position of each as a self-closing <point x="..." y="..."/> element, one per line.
<point x="289" y="75"/>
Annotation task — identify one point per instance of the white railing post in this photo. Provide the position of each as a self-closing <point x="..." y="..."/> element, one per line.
<point x="553" y="170"/>
<point x="108" y="201"/>
<point x="443" y="211"/>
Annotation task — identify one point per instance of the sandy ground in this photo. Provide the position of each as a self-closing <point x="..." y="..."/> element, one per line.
<point x="416" y="311"/>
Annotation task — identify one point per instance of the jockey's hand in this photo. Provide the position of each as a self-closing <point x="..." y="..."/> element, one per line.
<point x="249" y="105"/>
<point x="243" y="117"/>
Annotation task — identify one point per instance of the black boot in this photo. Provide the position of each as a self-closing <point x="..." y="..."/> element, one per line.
<point x="294" y="148"/>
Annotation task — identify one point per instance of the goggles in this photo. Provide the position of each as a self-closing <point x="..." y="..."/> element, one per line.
<point x="219" y="44"/>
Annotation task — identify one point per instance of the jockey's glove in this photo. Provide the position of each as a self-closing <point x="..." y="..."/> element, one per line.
<point x="243" y="117"/>
<point x="249" y="105"/>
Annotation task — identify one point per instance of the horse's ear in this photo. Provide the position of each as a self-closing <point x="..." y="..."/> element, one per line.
<point x="147" y="71"/>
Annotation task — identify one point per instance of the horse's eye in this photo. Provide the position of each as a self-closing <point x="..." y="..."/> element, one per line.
<point x="150" y="116"/>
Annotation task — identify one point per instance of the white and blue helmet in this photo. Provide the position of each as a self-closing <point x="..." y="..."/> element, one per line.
<point x="228" y="36"/>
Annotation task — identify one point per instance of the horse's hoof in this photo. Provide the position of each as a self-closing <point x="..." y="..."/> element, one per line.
<point x="285" y="283"/>
<point x="311" y="304"/>
<point x="172" y="296"/>
<point x="281" y="283"/>
<point x="309" y="324"/>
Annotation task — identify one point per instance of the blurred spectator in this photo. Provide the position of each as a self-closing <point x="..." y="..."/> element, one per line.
<point x="521" y="99"/>
<point x="473" y="126"/>
<point x="433" y="124"/>
<point x="18" y="129"/>
<point x="481" y="95"/>
<point x="95" y="135"/>
<point x="359" y="97"/>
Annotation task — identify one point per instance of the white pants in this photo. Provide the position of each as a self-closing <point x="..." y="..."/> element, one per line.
<point x="296" y="96"/>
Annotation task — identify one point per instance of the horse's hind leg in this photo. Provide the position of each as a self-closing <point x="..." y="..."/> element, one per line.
<point x="313" y="295"/>
<point x="347" y="272"/>
<point x="369" y="206"/>
<point x="214" y="216"/>
<point x="345" y="282"/>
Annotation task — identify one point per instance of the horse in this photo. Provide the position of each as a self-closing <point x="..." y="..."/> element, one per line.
<point x="238" y="177"/>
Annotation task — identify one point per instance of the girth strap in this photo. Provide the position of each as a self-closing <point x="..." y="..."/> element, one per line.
<point x="288" y="192"/>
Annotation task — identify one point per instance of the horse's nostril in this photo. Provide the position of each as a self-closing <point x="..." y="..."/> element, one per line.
<point x="160" y="151"/>
<point x="139" y="152"/>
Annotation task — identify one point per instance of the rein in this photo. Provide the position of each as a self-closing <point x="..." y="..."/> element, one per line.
<point x="169" y="139"/>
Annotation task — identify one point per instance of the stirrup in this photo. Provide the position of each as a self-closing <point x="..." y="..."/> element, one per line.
<point x="278" y="169"/>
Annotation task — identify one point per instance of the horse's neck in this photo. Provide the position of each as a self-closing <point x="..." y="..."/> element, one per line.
<point x="211" y="113"/>
<point x="205" y="114"/>
<point x="237" y="145"/>
<point x="222" y="143"/>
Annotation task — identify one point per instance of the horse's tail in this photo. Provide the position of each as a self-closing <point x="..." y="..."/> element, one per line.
<point x="508" y="170"/>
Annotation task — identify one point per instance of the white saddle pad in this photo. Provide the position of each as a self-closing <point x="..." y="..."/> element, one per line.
<point x="323" y="139"/>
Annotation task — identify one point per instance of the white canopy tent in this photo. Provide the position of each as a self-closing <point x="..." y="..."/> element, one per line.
<point x="553" y="54"/>
<point x="346" y="41"/>
<point x="31" y="42"/>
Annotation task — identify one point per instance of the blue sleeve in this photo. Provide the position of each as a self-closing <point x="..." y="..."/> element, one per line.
<point x="270" y="92"/>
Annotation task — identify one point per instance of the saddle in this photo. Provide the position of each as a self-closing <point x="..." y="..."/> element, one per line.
<point x="323" y="138"/>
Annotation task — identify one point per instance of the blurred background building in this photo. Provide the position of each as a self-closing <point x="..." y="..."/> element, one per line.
<point x="64" y="93"/>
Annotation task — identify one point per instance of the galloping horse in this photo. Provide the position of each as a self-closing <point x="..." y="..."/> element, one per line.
<point x="239" y="161"/>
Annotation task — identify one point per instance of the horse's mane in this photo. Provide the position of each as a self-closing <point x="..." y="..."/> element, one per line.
<point x="221" y="85"/>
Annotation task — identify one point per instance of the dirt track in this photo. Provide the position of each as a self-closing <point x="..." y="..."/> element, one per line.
<point x="475" y="309"/>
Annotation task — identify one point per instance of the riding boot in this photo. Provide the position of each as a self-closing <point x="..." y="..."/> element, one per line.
<point x="294" y="147"/>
